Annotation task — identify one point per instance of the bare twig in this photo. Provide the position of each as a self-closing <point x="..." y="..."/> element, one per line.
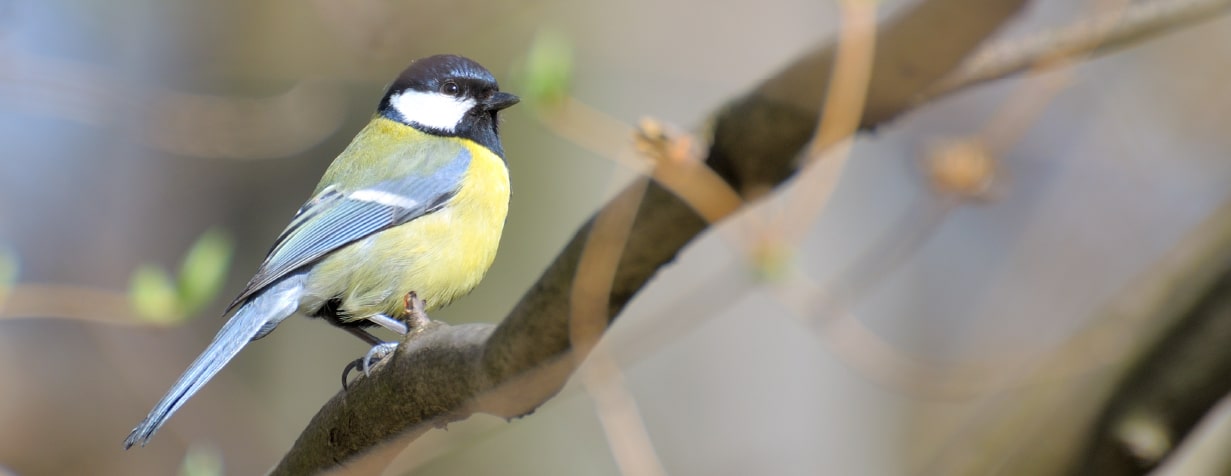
<point x="26" y="301"/>
<point x="592" y="130"/>
<point x="848" y="89"/>
<point x="678" y="167"/>
<point x="674" y="163"/>
<point x="617" y="412"/>
<point x="1112" y="31"/>
<point x="596" y="271"/>
<point x="962" y="169"/>
<point x="841" y="111"/>
<point x="171" y="121"/>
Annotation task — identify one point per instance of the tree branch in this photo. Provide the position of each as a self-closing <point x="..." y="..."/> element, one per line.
<point x="1116" y="29"/>
<point x="1168" y="389"/>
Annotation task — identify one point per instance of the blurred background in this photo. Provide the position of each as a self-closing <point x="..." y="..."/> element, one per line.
<point x="154" y="150"/>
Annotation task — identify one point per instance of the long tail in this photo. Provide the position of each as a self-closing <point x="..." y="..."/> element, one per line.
<point x="252" y="320"/>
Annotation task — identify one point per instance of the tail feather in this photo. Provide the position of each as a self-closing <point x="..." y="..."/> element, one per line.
<point x="261" y="313"/>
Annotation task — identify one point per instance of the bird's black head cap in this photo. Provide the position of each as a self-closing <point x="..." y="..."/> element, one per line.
<point x="448" y="95"/>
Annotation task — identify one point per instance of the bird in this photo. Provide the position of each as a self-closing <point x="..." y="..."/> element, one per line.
<point x="412" y="209"/>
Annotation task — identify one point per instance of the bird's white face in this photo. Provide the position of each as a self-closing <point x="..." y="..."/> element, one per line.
<point x="431" y="109"/>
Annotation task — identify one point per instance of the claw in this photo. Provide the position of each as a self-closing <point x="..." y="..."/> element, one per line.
<point x="416" y="318"/>
<point x="375" y="355"/>
<point x="354" y="364"/>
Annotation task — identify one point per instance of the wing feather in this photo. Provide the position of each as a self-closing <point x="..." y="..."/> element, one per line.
<point x="334" y="219"/>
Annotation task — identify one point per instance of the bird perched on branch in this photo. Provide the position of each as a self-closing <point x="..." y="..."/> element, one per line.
<point x="414" y="206"/>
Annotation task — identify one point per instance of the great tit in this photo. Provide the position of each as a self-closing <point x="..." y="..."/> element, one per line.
<point x="415" y="204"/>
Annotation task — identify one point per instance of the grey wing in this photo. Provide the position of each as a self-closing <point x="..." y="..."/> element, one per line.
<point x="334" y="219"/>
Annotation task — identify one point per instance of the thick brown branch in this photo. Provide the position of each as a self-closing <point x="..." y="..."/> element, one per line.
<point x="447" y="373"/>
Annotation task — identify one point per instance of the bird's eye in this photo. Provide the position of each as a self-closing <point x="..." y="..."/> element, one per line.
<point x="451" y="88"/>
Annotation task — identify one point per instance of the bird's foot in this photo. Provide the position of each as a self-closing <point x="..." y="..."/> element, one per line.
<point x="416" y="319"/>
<point x="416" y="316"/>
<point x="369" y="360"/>
<point x="377" y="353"/>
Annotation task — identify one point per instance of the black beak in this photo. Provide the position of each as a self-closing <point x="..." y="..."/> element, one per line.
<point x="500" y="100"/>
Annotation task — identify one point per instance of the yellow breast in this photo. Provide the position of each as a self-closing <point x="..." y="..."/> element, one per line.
<point x="440" y="256"/>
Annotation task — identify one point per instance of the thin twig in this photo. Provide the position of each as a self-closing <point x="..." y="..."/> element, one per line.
<point x="618" y="413"/>
<point x="171" y="121"/>
<point x="626" y="434"/>
<point x="674" y="163"/>
<point x="30" y="301"/>
<point x="841" y="115"/>
<point x="1100" y="35"/>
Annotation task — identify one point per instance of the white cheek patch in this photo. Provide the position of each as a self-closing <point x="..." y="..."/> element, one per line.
<point x="434" y="110"/>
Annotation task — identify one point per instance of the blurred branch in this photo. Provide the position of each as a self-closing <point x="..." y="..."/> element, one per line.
<point x="675" y="163"/>
<point x="1038" y="423"/>
<point x="1116" y="29"/>
<point x="197" y="125"/>
<point x="679" y="168"/>
<point x="28" y="301"/>
<point x="153" y="298"/>
<point x="825" y="155"/>
<point x="446" y="373"/>
<point x="962" y="170"/>
<point x="193" y="125"/>
<point x="618" y="413"/>
<point x="1205" y="451"/>
<point x="1175" y="381"/>
<point x="626" y="435"/>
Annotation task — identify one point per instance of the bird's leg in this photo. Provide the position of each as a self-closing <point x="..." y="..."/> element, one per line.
<point x="363" y="335"/>
<point x="362" y="362"/>
<point x="379" y="351"/>
<point x="416" y="318"/>
<point x="390" y="323"/>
